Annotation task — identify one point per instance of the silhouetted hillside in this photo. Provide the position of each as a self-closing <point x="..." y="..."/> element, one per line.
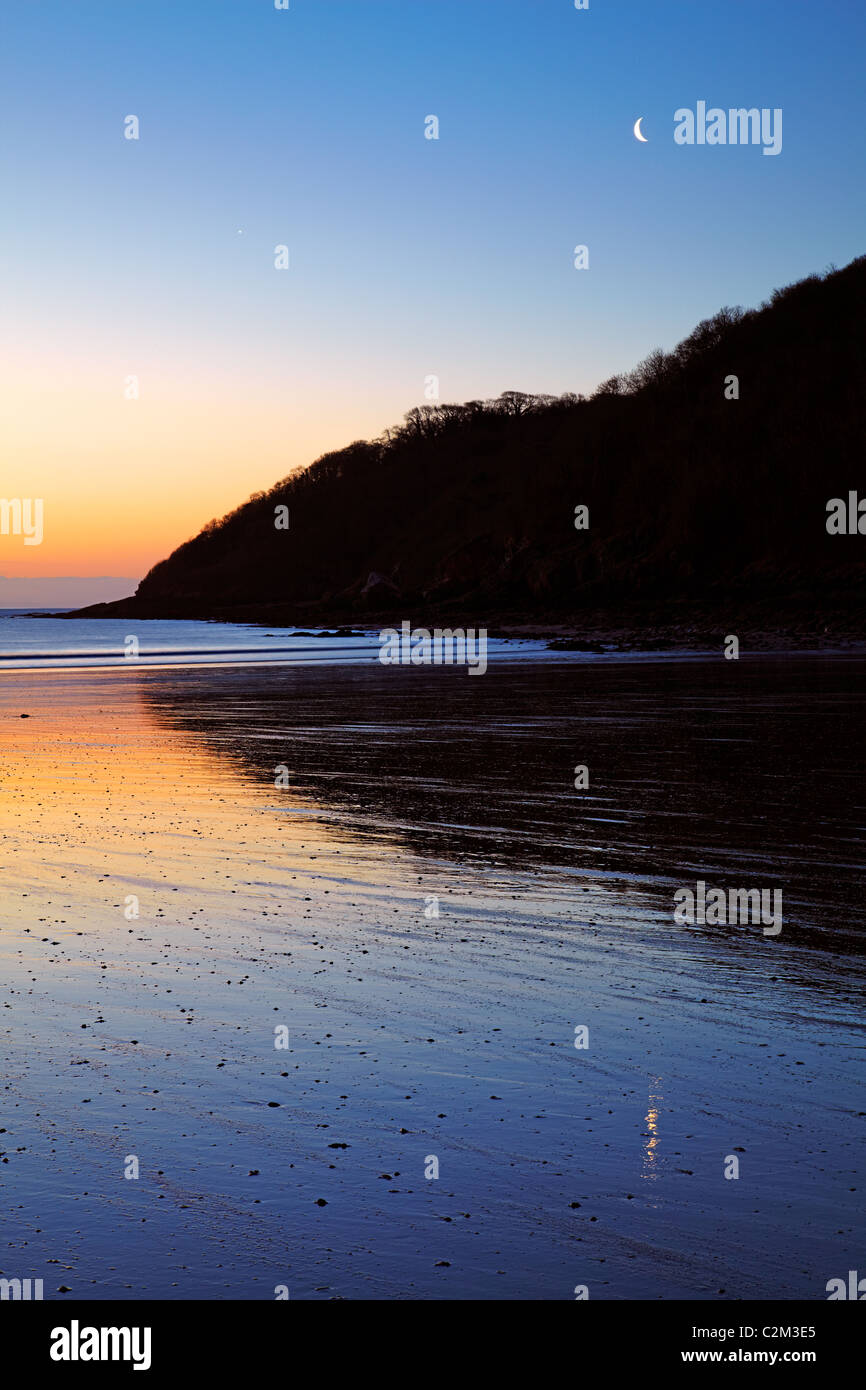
<point x="695" y="501"/>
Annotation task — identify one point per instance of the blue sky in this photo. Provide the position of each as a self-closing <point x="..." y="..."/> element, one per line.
<point x="408" y="257"/>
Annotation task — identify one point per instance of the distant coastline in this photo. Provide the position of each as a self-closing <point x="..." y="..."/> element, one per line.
<point x="660" y="626"/>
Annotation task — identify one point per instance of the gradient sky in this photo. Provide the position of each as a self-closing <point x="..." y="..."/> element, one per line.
<point x="409" y="257"/>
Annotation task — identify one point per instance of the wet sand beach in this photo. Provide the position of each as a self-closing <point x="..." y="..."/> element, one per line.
<point x="430" y="909"/>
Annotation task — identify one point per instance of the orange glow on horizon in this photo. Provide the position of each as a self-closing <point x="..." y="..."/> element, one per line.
<point x="125" y="481"/>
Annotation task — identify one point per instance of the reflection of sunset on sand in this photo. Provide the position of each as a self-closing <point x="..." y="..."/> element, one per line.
<point x="302" y="908"/>
<point x="124" y="801"/>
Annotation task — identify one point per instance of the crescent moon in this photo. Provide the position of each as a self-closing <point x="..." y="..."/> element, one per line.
<point x="638" y="135"/>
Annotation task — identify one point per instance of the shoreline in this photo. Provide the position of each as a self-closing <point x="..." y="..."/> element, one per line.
<point x="600" y="637"/>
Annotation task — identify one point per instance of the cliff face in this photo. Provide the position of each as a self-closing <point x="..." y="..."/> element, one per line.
<point x="693" y="496"/>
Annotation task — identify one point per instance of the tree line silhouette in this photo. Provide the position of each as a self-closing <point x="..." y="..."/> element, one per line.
<point x="694" y="497"/>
